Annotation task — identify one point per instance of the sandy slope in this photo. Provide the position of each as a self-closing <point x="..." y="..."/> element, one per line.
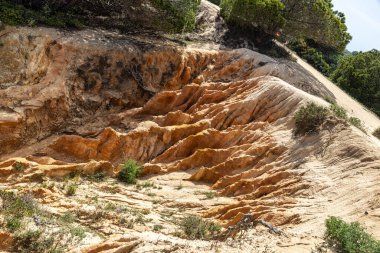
<point x="356" y="109"/>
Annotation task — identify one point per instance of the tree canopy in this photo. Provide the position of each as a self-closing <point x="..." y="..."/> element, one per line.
<point x="359" y="75"/>
<point x="266" y="15"/>
<point x="309" y="19"/>
<point x="164" y="15"/>
<point x="316" y="20"/>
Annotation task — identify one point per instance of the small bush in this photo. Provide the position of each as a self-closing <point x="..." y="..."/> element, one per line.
<point x="71" y="189"/>
<point x="13" y="224"/>
<point x="350" y="237"/>
<point x="18" y="166"/>
<point x="309" y="118"/>
<point x="210" y="195"/>
<point x="376" y="133"/>
<point x="157" y="228"/>
<point x="110" y="207"/>
<point x="129" y="172"/>
<point x="197" y="228"/>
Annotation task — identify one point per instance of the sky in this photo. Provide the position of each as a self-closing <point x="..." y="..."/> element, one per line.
<point x="363" y="22"/>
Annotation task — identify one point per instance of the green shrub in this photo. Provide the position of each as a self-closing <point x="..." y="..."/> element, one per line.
<point x="13" y="223"/>
<point x="308" y="118"/>
<point x="110" y="207"/>
<point x="376" y="133"/>
<point x="129" y="172"/>
<point x="210" y="195"/>
<point x="350" y="237"/>
<point x="197" y="228"/>
<point x="180" y="14"/>
<point x="18" y="206"/>
<point x="356" y="122"/>
<point x="71" y="189"/>
<point x="329" y="99"/>
<point x="18" y="166"/>
<point x="157" y="228"/>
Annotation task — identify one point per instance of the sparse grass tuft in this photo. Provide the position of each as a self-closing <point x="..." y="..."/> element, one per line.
<point x="309" y="118"/>
<point x="78" y="232"/>
<point x="99" y="176"/>
<point x="195" y="227"/>
<point x="329" y="99"/>
<point x="33" y="242"/>
<point x="68" y="217"/>
<point x="350" y="237"/>
<point x="18" y="206"/>
<point x="376" y="133"/>
<point x="339" y="111"/>
<point x="18" y="166"/>
<point x="356" y="123"/>
<point x="129" y="172"/>
<point x="207" y="194"/>
<point x="157" y="228"/>
<point x="110" y="207"/>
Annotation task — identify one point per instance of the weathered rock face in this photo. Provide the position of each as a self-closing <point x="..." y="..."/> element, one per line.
<point x="50" y="80"/>
<point x="222" y="120"/>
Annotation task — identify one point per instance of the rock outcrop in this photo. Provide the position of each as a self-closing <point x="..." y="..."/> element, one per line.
<point x="84" y="102"/>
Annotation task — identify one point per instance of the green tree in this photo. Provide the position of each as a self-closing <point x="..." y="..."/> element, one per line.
<point x="265" y="15"/>
<point x="309" y="19"/>
<point x="359" y="75"/>
<point x="316" y="20"/>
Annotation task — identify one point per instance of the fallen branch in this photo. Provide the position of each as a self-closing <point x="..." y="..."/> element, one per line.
<point x="246" y="223"/>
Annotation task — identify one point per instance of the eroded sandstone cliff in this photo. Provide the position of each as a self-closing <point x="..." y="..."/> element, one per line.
<point x="199" y="121"/>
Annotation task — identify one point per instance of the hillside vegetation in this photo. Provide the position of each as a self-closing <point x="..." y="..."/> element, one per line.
<point x="359" y="75"/>
<point x="163" y="15"/>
